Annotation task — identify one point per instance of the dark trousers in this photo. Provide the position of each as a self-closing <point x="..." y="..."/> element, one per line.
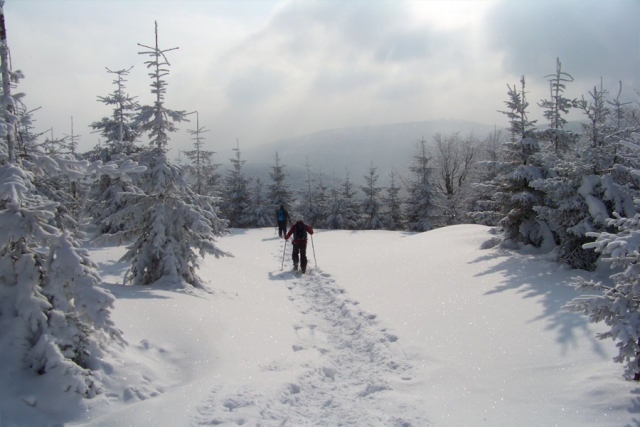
<point x="282" y="228"/>
<point x="300" y="253"/>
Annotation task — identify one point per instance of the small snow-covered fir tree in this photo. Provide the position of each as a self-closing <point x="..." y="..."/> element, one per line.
<point x="55" y="185"/>
<point x="420" y="203"/>
<point x="236" y="191"/>
<point x="120" y="133"/>
<point x="53" y="317"/>
<point x="592" y="185"/>
<point x="321" y="198"/>
<point x="259" y="212"/>
<point x="167" y="221"/>
<point x="597" y="114"/>
<point x="619" y="117"/>
<point x="567" y="212"/>
<point x="617" y="304"/>
<point x="372" y="217"/>
<point x="156" y="120"/>
<point x="563" y="208"/>
<point x="351" y="211"/>
<point x="54" y="320"/>
<point x="279" y="191"/>
<point x="513" y="198"/>
<point x="72" y="142"/>
<point x="555" y="108"/>
<point x="517" y="198"/>
<point x="336" y="206"/>
<point x="392" y="205"/>
<point x="53" y="146"/>
<point x="166" y="224"/>
<point x="201" y="172"/>
<point x="309" y="204"/>
<point x="482" y="206"/>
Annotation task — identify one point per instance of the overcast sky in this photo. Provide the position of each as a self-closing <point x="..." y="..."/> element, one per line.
<point x="263" y="70"/>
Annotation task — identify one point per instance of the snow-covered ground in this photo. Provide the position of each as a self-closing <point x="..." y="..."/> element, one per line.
<point x="389" y="329"/>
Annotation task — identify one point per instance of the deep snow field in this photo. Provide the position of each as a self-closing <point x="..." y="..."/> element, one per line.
<point x="388" y="329"/>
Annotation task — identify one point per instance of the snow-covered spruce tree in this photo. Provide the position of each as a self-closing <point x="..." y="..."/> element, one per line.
<point x="351" y="212"/>
<point x="513" y="198"/>
<point x="308" y="203"/>
<point x="555" y="109"/>
<point x="321" y="197"/>
<point x="279" y="191"/>
<point x="53" y="146"/>
<point x="105" y="195"/>
<point x="566" y="210"/>
<point x="420" y="204"/>
<point x="620" y="117"/>
<point x="53" y="174"/>
<point x="586" y="192"/>
<point x="72" y="150"/>
<point x="120" y="133"/>
<point x="392" y="205"/>
<point x="72" y="142"/>
<point x="259" y="212"/>
<point x="236" y="191"/>
<point x="482" y="206"/>
<point x="168" y="220"/>
<point x="564" y="207"/>
<point x="627" y="154"/>
<point x="618" y="304"/>
<point x="372" y="217"/>
<point x="25" y="138"/>
<point x="201" y="171"/>
<point x="597" y="114"/>
<point x="597" y="152"/>
<point x="78" y="188"/>
<point x="336" y="206"/>
<point x="54" y="320"/>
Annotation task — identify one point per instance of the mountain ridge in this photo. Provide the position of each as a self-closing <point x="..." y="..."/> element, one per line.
<point x="388" y="147"/>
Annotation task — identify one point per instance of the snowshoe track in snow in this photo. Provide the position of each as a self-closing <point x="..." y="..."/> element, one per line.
<point x="352" y="365"/>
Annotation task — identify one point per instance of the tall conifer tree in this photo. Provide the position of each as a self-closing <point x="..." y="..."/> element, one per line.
<point x="54" y="319"/>
<point x="168" y="220"/>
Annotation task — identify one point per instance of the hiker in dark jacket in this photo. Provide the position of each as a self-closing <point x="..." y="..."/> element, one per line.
<point x="282" y="216"/>
<point x="299" y="231"/>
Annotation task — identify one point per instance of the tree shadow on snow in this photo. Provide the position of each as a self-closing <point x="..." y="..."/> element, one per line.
<point x="234" y="231"/>
<point x="635" y="409"/>
<point x="134" y="291"/>
<point x="113" y="268"/>
<point x="533" y="277"/>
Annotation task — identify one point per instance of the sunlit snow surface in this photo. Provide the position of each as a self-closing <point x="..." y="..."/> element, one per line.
<point x="387" y="329"/>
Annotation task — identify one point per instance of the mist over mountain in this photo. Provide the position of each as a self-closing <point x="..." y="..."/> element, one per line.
<point x="334" y="152"/>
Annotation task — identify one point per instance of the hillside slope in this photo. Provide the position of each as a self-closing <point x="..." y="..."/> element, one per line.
<point x="388" y="329"/>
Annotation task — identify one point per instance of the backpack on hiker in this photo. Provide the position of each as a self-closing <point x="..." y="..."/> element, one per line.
<point x="300" y="232"/>
<point x="280" y="215"/>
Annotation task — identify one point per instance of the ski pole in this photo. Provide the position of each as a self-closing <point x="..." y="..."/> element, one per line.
<point x="314" y="252"/>
<point x="283" y="250"/>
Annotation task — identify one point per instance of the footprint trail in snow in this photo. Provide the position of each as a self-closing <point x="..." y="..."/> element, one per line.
<point x="349" y="377"/>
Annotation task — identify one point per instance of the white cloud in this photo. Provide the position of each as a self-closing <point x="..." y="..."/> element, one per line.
<point x="263" y="70"/>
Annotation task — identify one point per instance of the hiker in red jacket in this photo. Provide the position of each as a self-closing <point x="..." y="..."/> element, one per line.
<point x="299" y="231"/>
